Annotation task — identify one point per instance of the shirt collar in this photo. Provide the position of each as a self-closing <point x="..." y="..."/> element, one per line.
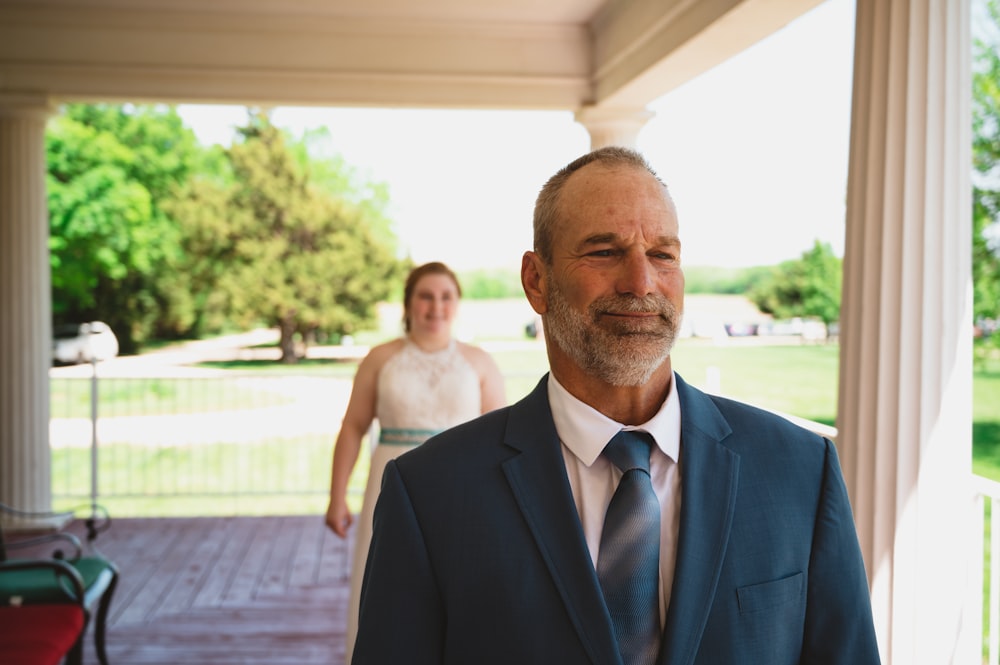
<point x="585" y="430"/>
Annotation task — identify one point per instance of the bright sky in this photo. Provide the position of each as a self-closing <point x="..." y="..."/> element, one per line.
<point x="754" y="152"/>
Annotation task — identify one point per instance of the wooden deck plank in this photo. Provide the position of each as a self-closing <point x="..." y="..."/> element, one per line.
<point x="274" y="579"/>
<point x="141" y="549"/>
<point x="213" y="590"/>
<point x="309" y="555"/>
<point x="253" y="565"/>
<point x="166" y="572"/>
<point x="199" y="567"/>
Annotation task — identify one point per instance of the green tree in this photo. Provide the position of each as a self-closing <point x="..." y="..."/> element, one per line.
<point x="986" y="160"/>
<point x="716" y="279"/>
<point x="489" y="284"/>
<point x="806" y="287"/>
<point x="283" y="249"/>
<point x="110" y="168"/>
<point x="201" y="211"/>
<point x="316" y="151"/>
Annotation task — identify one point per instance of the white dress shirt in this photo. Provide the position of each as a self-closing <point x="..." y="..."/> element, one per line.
<point x="584" y="432"/>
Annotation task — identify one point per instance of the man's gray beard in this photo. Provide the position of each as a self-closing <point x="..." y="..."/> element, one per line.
<point x="618" y="356"/>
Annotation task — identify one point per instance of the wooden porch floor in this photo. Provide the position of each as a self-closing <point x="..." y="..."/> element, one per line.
<point x="225" y="590"/>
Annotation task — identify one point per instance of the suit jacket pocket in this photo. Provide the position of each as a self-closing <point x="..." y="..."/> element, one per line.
<point x="771" y="595"/>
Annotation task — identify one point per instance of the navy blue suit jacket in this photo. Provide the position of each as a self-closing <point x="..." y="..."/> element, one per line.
<point x="478" y="555"/>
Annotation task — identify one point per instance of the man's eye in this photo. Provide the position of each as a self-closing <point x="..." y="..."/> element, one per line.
<point x="602" y="252"/>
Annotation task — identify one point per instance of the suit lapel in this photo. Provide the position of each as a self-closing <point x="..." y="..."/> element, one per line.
<point x="537" y="477"/>
<point x="709" y="480"/>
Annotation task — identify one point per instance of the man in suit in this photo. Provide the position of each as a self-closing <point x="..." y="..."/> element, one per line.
<point x="488" y="538"/>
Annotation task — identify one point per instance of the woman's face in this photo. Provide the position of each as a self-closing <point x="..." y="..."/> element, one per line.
<point x="433" y="305"/>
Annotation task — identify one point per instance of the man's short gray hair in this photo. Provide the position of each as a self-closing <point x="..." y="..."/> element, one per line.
<point x="546" y="205"/>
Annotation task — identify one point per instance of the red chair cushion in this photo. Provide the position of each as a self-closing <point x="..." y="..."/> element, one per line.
<point x="38" y="634"/>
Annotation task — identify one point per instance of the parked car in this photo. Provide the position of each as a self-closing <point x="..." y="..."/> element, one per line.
<point x="533" y="328"/>
<point x="83" y="342"/>
<point x="741" y="329"/>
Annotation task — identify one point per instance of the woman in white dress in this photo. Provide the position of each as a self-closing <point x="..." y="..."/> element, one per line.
<point x="416" y="386"/>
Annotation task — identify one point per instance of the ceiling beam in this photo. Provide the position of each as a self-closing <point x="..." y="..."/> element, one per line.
<point x="77" y="53"/>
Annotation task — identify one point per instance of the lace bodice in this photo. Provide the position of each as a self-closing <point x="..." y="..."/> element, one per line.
<point x="418" y="390"/>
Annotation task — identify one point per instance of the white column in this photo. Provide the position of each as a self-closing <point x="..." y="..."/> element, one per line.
<point x="613" y="126"/>
<point x="905" y="419"/>
<point x="25" y="304"/>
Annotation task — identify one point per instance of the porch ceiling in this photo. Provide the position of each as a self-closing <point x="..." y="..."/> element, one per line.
<point x="556" y="54"/>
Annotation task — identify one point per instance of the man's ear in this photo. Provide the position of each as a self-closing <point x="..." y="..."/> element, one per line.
<point x="533" y="281"/>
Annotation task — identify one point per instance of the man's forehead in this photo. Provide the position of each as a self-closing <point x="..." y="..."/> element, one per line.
<point x="637" y="189"/>
<point x="596" y="182"/>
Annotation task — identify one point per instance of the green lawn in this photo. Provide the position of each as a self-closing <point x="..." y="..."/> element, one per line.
<point x="805" y="387"/>
<point x="798" y="380"/>
<point x="986" y="419"/>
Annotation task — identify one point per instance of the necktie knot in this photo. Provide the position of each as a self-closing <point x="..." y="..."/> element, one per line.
<point x="629" y="449"/>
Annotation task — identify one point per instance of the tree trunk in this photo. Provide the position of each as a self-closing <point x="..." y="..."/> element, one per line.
<point x="288" y="355"/>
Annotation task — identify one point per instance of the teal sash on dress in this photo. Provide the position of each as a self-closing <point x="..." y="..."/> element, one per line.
<point x="399" y="436"/>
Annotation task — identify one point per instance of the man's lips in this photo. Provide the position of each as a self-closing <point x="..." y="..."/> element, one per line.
<point x="634" y="315"/>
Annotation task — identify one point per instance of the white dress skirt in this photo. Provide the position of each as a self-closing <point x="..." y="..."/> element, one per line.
<point x="418" y="394"/>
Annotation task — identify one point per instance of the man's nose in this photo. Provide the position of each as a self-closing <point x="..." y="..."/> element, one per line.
<point x="638" y="275"/>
